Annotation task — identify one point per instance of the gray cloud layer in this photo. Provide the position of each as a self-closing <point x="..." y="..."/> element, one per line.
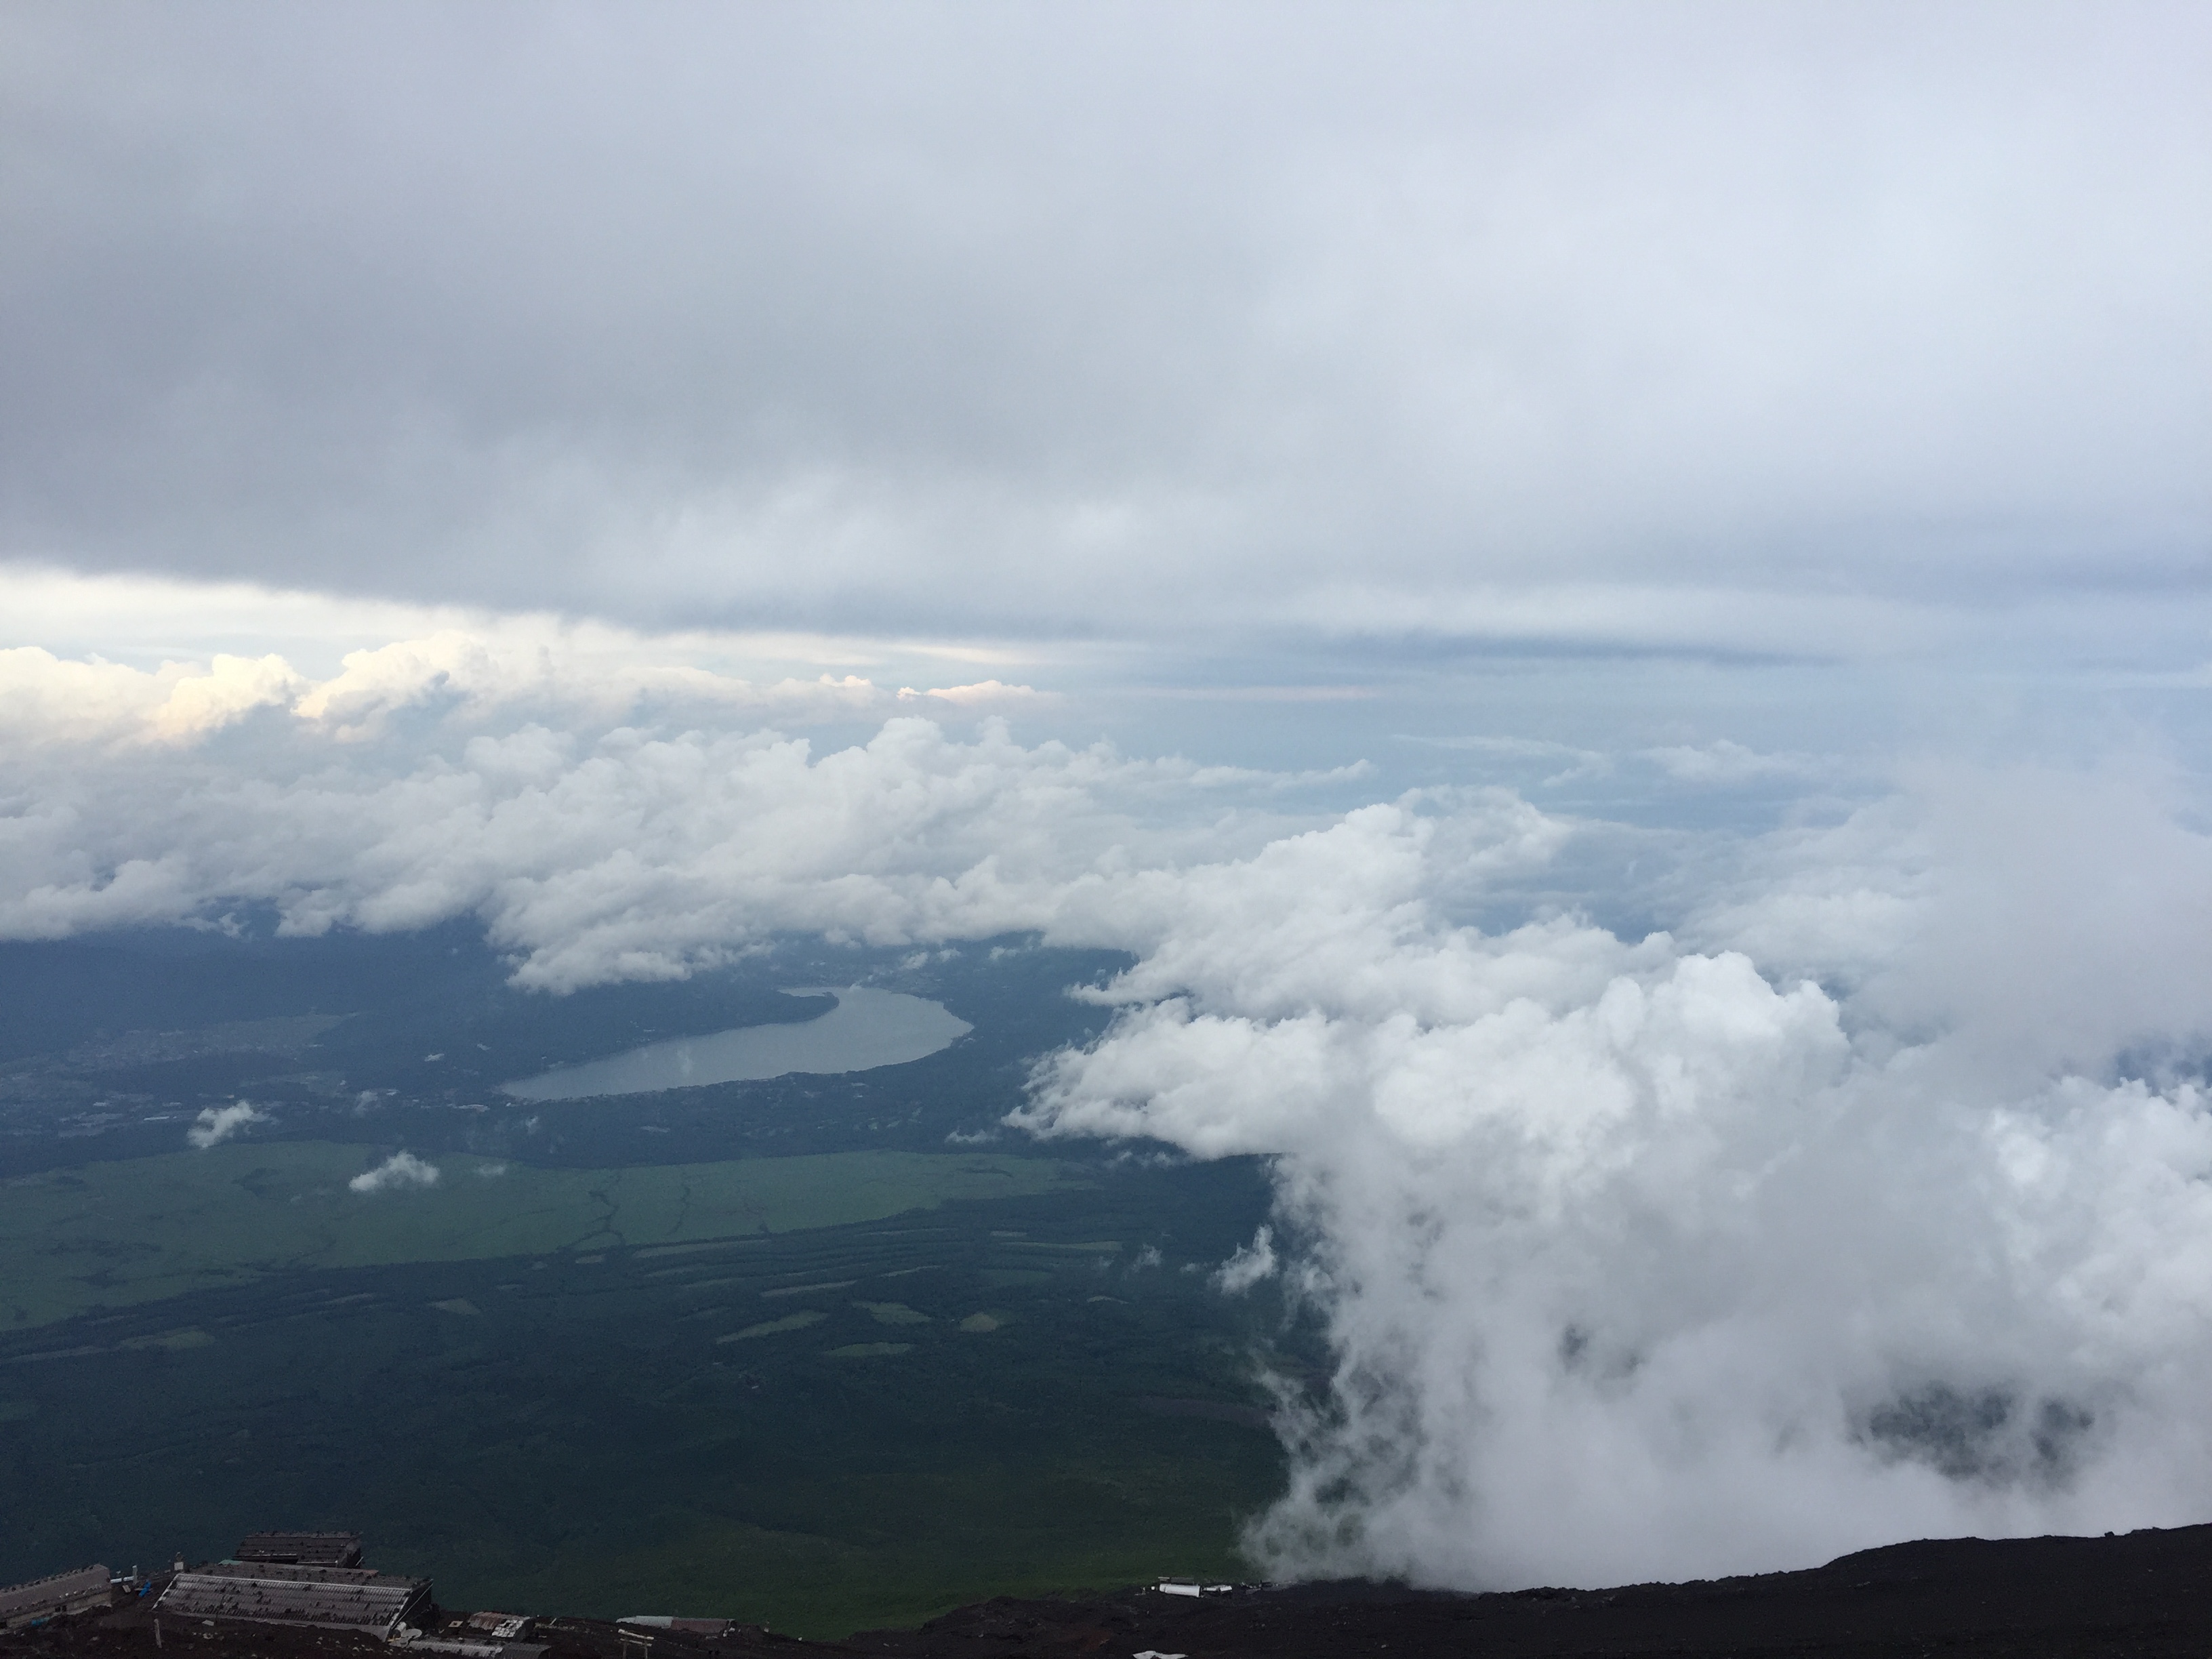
<point x="1807" y="330"/>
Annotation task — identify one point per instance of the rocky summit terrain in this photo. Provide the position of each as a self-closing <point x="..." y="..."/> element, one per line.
<point x="2147" y="1593"/>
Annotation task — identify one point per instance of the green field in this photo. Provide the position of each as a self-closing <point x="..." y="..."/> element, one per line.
<point x="114" y="1234"/>
<point x="824" y="1429"/>
<point x="768" y="1350"/>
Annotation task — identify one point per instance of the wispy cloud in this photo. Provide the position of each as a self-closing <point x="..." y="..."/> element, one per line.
<point x="1722" y="762"/>
<point x="982" y="694"/>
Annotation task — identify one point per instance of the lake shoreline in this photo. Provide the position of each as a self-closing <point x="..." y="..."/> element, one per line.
<point x="866" y="1029"/>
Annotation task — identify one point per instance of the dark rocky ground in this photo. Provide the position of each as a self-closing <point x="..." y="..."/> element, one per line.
<point x="2147" y="1593"/>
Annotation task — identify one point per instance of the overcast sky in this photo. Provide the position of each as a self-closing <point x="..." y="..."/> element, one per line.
<point x="1503" y="480"/>
<point x="1854" y="331"/>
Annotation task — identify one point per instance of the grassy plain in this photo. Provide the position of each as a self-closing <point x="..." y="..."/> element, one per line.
<point x="575" y="1430"/>
<point x="138" y="1229"/>
<point x="767" y="1350"/>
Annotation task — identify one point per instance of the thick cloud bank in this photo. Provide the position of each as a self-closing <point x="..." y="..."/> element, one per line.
<point x="1636" y="1263"/>
<point x="444" y="777"/>
<point x="1871" y="1201"/>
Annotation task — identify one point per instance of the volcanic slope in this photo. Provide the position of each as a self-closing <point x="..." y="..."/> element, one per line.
<point x="2147" y="1594"/>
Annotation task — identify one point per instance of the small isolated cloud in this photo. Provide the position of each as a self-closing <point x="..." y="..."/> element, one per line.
<point x="1249" y="1265"/>
<point x="976" y="696"/>
<point x="400" y="1169"/>
<point x="219" y="1123"/>
<point x="486" y="1171"/>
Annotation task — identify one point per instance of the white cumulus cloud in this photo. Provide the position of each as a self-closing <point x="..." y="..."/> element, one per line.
<point x="591" y="846"/>
<point x="216" y="1124"/>
<point x="1637" y="1262"/>
<point x="400" y="1171"/>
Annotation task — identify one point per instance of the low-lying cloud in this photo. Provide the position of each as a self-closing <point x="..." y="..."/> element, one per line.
<point x="592" y="846"/>
<point x="397" y="1173"/>
<point x="1874" y="1198"/>
<point x="504" y="666"/>
<point x="216" y="1124"/>
<point x="1637" y="1262"/>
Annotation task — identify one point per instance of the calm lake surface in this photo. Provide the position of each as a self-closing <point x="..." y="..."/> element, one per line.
<point x="866" y="1029"/>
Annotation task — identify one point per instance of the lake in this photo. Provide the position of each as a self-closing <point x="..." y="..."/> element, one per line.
<point x="865" y="1029"/>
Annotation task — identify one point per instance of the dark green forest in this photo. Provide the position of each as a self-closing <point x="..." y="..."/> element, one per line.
<point x="821" y="1427"/>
